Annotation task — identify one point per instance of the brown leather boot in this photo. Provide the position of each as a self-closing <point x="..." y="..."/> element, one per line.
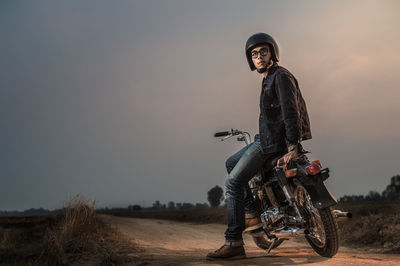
<point x="252" y="224"/>
<point x="227" y="252"/>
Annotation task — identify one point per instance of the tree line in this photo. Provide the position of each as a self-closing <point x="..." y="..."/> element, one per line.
<point x="215" y="197"/>
<point x="391" y="193"/>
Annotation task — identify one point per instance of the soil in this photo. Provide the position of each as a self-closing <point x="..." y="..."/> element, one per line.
<point x="166" y="242"/>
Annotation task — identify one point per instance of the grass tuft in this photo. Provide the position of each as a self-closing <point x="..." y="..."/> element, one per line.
<point x="77" y="236"/>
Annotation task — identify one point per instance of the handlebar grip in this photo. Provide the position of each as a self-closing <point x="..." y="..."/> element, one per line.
<point x="222" y="134"/>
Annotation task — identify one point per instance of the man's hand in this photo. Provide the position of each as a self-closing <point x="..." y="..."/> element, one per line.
<point x="283" y="161"/>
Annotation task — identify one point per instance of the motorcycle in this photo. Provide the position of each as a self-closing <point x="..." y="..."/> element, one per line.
<point x="293" y="203"/>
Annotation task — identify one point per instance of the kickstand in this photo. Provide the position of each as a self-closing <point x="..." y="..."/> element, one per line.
<point x="272" y="244"/>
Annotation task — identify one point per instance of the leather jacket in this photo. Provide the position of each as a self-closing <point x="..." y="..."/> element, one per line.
<point x="283" y="113"/>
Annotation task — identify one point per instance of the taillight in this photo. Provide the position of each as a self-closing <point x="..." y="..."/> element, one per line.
<point x="314" y="168"/>
<point x="291" y="173"/>
<point x="316" y="162"/>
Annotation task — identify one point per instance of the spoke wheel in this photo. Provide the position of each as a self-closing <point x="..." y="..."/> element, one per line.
<point x="323" y="236"/>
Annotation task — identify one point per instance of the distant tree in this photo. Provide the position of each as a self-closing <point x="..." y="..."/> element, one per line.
<point x="392" y="191"/>
<point x="171" y="205"/>
<point x="134" y="208"/>
<point x="36" y="211"/>
<point x="215" y="196"/>
<point x="179" y="206"/>
<point x="352" y="198"/>
<point x="157" y="205"/>
<point x="373" y="196"/>
<point x="201" y="205"/>
<point x="187" y="206"/>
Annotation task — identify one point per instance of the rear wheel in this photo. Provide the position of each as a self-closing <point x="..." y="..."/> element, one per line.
<point x="323" y="236"/>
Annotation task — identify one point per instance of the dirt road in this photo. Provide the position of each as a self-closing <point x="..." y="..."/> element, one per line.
<point x="173" y="243"/>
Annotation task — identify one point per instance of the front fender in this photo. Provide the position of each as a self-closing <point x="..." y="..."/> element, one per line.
<point x="319" y="193"/>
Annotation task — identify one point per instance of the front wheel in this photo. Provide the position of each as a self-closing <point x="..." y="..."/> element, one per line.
<point x="323" y="236"/>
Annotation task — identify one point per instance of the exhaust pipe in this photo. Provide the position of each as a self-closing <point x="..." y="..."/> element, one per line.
<point x="342" y="215"/>
<point x="290" y="232"/>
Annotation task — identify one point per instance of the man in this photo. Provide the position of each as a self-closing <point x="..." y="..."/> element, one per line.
<point x="283" y="124"/>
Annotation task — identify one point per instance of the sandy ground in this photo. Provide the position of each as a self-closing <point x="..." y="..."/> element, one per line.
<point x="165" y="242"/>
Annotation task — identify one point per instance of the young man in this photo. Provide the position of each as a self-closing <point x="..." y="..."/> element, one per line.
<point x="283" y="124"/>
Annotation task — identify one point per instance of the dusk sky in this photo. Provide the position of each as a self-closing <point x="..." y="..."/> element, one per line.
<point x="119" y="100"/>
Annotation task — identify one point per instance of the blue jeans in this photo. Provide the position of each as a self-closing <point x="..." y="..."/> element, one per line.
<point x="241" y="167"/>
<point x="231" y="162"/>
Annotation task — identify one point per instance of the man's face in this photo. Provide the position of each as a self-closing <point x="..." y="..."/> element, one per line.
<point x="261" y="56"/>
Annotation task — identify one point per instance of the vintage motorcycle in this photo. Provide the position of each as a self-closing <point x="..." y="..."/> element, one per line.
<point x="293" y="203"/>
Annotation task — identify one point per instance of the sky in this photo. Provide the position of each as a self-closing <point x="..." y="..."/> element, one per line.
<point x="118" y="100"/>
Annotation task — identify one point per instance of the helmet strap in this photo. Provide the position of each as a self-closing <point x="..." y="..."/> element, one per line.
<point x="262" y="70"/>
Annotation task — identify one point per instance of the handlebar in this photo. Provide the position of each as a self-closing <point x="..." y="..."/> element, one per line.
<point x="222" y="134"/>
<point x="234" y="132"/>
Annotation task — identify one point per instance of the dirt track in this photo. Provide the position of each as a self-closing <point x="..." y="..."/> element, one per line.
<point x="172" y="243"/>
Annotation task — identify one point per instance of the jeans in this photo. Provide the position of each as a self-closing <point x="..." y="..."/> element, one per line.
<point x="241" y="167"/>
<point x="231" y="162"/>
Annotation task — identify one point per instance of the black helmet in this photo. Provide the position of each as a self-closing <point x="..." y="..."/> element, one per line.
<point x="261" y="38"/>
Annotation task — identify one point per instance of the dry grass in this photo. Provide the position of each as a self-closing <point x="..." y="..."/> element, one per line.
<point x="77" y="237"/>
<point x="21" y="238"/>
<point x="374" y="224"/>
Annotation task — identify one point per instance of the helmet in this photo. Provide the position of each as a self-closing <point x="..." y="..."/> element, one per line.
<point x="261" y="38"/>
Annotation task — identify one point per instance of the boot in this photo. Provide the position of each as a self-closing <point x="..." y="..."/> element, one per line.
<point x="227" y="252"/>
<point x="252" y="224"/>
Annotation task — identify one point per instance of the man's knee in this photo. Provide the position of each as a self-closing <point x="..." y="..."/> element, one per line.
<point x="229" y="164"/>
<point x="233" y="187"/>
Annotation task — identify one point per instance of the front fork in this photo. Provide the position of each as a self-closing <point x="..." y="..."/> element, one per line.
<point x="280" y="175"/>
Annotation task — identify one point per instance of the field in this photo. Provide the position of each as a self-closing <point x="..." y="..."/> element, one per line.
<point x="79" y="236"/>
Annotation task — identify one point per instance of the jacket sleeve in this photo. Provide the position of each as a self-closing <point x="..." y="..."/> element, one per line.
<point x="286" y="89"/>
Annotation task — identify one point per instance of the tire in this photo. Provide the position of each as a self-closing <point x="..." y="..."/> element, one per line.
<point x="324" y="236"/>
<point x="331" y="246"/>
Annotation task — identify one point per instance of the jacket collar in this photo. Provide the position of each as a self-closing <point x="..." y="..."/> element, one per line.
<point x="273" y="68"/>
<point x="270" y="77"/>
